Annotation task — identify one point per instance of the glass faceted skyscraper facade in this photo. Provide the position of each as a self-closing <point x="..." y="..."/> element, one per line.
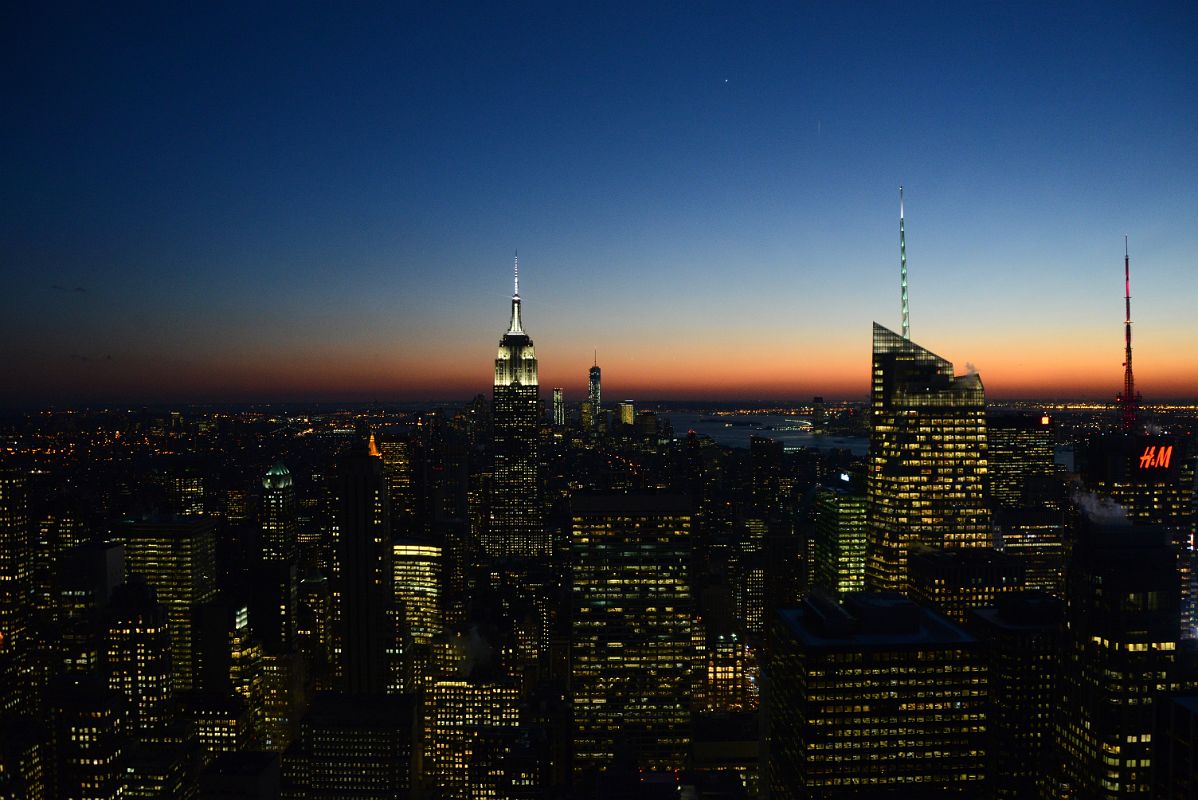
<point x="927" y="458"/>
<point x="514" y="524"/>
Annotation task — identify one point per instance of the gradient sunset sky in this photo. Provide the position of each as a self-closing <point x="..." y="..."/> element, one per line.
<point x="211" y="202"/>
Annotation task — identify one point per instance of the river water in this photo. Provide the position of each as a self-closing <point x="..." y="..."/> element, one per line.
<point x="734" y="430"/>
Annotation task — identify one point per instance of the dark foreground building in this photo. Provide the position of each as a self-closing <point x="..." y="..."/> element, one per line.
<point x="875" y="697"/>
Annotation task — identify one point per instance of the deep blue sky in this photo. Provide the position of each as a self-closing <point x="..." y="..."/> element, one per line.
<point x="323" y="200"/>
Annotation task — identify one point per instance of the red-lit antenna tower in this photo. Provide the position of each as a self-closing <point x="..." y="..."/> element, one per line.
<point x="1129" y="401"/>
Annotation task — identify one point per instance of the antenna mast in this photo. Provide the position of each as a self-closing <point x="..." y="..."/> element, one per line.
<point x="903" y="263"/>
<point x="1128" y="400"/>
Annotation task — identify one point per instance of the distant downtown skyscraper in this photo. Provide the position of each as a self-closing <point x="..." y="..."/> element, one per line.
<point x="514" y="527"/>
<point x="927" y="459"/>
<point x="559" y="408"/>
<point x="594" y="393"/>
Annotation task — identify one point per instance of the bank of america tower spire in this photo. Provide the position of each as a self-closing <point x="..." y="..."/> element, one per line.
<point x="514" y="522"/>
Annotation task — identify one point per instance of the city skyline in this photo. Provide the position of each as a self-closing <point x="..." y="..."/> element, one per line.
<point x="198" y="212"/>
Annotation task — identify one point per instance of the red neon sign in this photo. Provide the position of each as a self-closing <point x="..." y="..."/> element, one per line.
<point x="1154" y="456"/>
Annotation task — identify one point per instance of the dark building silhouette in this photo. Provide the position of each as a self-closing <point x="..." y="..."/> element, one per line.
<point x="1151" y="476"/>
<point x="89" y="732"/>
<point x="364" y="630"/>
<point x="1175" y="748"/>
<point x="16" y="590"/>
<point x="955" y="581"/>
<point x="1119" y="655"/>
<point x="246" y="775"/>
<point x="765" y="458"/>
<point x="1021" y="636"/>
<point x="352" y="745"/>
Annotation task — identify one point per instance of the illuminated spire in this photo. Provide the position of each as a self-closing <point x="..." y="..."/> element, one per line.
<point x="903" y="265"/>
<point x="596" y="362"/>
<point x="1128" y="399"/>
<point x="515" y="326"/>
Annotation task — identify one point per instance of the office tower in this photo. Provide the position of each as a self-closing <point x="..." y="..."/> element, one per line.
<point x="361" y="582"/>
<point x="154" y="771"/>
<point x="1175" y="747"/>
<point x="646" y="423"/>
<point x="559" y="408"/>
<point x="89" y="733"/>
<point x="627" y="412"/>
<point x="514" y="527"/>
<point x="730" y="664"/>
<point x="138" y="656"/>
<point x="352" y="745"/>
<point x="955" y="581"/>
<point x="1019" y="458"/>
<point x="1119" y="654"/>
<point x="282" y="696"/>
<point x="416" y="568"/>
<point x="595" y="389"/>
<point x="276" y="580"/>
<point x="245" y="775"/>
<point x="217" y="627"/>
<point x="468" y="728"/>
<point x="86" y="578"/>
<point x="1036" y="535"/>
<point x="16" y="589"/>
<point x="875" y="696"/>
<point x="279" y="541"/>
<point x="178" y="559"/>
<point x="927" y="458"/>
<point x="314" y="631"/>
<point x="1021" y="636"/>
<point x="58" y="531"/>
<point x="840" y="534"/>
<point x="220" y="721"/>
<point x="25" y="761"/>
<point x="586" y="415"/>
<point x="237" y="505"/>
<point x="635" y="663"/>
<point x="1151" y="477"/>
<point x="185" y="490"/>
<point x="399" y="467"/>
<point x="765" y="460"/>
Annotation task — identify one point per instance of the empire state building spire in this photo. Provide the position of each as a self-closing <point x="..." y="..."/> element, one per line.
<point x="516" y="326"/>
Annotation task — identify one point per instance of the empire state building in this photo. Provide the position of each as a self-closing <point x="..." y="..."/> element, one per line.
<point x="514" y="527"/>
